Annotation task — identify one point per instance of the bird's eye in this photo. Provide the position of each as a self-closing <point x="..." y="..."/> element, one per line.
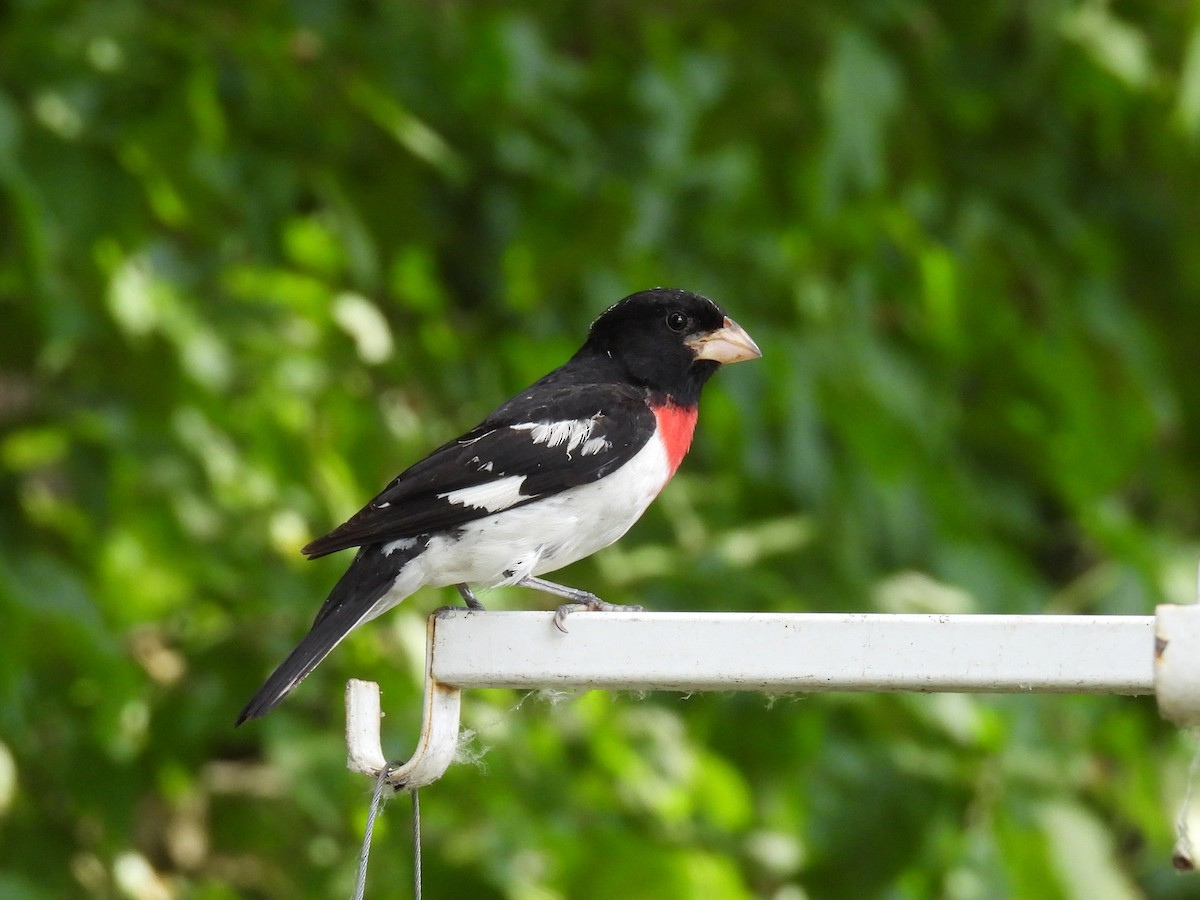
<point x="676" y="321"/>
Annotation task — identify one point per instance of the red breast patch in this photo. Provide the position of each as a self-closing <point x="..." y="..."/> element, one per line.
<point x="676" y="424"/>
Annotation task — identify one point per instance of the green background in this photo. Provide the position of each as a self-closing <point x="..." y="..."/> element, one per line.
<point x="255" y="258"/>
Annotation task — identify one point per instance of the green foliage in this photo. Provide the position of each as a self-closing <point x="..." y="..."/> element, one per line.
<point x="256" y="258"/>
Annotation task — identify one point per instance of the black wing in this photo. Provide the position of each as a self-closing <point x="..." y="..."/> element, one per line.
<point x="543" y="441"/>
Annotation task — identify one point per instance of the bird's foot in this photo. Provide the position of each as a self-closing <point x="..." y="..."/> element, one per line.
<point x="595" y="604"/>
<point x="580" y="600"/>
<point x="469" y="597"/>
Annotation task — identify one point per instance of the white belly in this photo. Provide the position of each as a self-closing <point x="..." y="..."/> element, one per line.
<point x="550" y="533"/>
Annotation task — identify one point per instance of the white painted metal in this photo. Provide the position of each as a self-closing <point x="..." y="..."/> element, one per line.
<point x="796" y="652"/>
<point x="364" y="751"/>
<point x="436" y="745"/>
<point x="1177" y="663"/>
<point x="776" y="653"/>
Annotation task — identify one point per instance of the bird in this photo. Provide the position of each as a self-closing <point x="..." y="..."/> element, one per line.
<point x="560" y="471"/>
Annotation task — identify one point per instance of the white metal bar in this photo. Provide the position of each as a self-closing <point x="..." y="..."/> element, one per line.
<point x="795" y="652"/>
<point x="1177" y="663"/>
<point x="779" y="653"/>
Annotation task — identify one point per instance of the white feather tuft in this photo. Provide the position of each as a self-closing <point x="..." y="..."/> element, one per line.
<point x="492" y="496"/>
<point x="572" y="432"/>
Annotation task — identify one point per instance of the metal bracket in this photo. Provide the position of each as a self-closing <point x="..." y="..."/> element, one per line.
<point x="436" y="745"/>
<point x="1177" y="663"/>
<point x="780" y="653"/>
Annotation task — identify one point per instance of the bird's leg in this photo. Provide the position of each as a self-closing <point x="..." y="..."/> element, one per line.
<point x="580" y="600"/>
<point x="468" y="597"/>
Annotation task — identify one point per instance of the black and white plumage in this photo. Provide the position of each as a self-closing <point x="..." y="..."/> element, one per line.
<point x="558" y="472"/>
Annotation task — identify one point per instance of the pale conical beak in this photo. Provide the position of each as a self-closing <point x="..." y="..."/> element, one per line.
<point x="727" y="344"/>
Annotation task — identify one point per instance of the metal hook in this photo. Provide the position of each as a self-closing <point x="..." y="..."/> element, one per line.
<point x="438" y="741"/>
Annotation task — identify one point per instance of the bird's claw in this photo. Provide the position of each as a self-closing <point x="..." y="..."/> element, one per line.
<point x="595" y="604"/>
<point x="469" y="598"/>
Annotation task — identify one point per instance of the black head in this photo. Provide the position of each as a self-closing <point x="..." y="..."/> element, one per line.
<point x="669" y="341"/>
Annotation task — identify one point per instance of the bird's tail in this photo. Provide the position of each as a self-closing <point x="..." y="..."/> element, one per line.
<point x="353" y="600"/>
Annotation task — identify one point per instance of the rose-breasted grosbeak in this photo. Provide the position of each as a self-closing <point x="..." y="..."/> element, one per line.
<point x="555" y="474"/>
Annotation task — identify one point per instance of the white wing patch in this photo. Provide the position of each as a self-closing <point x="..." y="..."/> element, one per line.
<point x="575" y="433"/>
<point x="400" y="544"/>
<point x="493" y="496"/>
<point x="595" y="445"/>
